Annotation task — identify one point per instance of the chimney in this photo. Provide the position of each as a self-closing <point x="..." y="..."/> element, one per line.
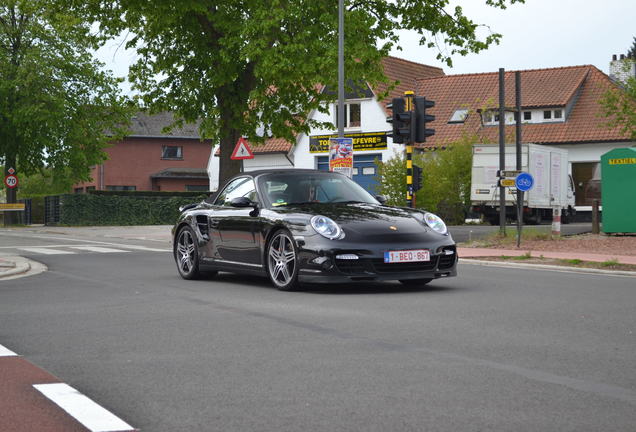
<point x="622" y="69"/>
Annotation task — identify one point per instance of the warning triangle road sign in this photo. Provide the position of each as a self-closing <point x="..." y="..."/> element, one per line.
<point x="242" y="150"/>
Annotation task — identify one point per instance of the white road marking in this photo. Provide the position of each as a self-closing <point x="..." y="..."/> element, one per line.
<point x="144" y="248"/>
<point x="98" y="249"/>
<point x="6" y="352"/>
<point x="84" y="410"/>
<point x="45" y="251"/>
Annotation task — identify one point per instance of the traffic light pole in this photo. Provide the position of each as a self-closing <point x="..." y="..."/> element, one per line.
<point x="409" y="119"/>
<point x="409" y="107"/>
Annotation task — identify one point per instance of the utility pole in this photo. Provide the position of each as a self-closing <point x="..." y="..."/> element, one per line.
<point x="502" y="150"/>
<point x="341" y="93"/>
<point x="518" y="148"/>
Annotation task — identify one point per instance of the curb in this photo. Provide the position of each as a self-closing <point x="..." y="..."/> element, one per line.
<point x="16" y="267"/>
<point x="547" y="267"/>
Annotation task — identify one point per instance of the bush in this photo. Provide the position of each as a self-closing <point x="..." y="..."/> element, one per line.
<point x="445" y="180"/>
<point x="98" y="209"/>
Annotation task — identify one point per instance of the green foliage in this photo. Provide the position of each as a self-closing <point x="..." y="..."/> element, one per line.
<point x="241" y="67"/>
<point x="446" y="180"/>
<point x="56" y="103"/>
<point x="91" y="209"/>
<point x="631" y="52"/>
<point x="619" y="105"/>
<point x="392" y="176"/>
<point x="43" y="183"/>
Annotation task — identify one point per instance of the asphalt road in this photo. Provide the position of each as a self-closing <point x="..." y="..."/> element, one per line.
<point x="495" y="349"/>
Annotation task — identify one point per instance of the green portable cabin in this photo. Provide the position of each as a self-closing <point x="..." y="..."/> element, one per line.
<point x="618" y="190"/>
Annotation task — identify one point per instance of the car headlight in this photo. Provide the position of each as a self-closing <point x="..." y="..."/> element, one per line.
<point x="436" y="223"/>
<point x="326" y="227"/>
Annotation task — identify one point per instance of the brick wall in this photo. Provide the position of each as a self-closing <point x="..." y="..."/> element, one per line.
<point x="133" y="160"/>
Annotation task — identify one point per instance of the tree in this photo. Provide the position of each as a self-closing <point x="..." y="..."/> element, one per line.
<point x="631" y="53"/>
<point x="257" y="68"/>
<point x="446" y="175"/>
<point x="58" y="109"/>
<point x="619" y="105"/>
<point x="447" y="179"/>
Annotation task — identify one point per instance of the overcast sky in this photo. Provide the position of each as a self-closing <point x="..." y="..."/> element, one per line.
<point x="537" y="34"/>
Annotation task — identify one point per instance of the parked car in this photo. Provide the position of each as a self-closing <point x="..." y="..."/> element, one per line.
<point x="311" y="226"/>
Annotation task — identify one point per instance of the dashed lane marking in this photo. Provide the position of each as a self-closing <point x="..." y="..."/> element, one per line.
<point x="45" y="251"/>
<point x="93" y="416"/>
<point x="6" y="352"/>
<point x="99" y="249"/>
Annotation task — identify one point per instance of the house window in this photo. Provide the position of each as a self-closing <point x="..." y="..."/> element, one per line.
<point x="527" y="115"/>
<point x="172" y="152"/>
<point x="90" y="188"/>
<point x="547" y="114"/>
<point x="353" y="115"/>
<point x="459" y="116"/>
<point x="121" y="188"/>
<point x="196" y="188"/>
<point x="79" y="190"/>
<point x="558" y="114"/>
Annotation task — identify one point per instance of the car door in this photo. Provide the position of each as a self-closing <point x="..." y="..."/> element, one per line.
<point x="234" y="229"/>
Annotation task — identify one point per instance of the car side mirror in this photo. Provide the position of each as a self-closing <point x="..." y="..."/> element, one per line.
<point x="381" y="198"/>
<point x="242" y="202"/>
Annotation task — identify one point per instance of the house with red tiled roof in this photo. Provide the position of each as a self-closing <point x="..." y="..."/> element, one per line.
<point x="150" y="159"/>
<point x="559" y="108"/>
<point x="365" y="123"/>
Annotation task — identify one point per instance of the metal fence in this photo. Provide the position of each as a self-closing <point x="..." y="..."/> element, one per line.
<point x="52" y="210"/>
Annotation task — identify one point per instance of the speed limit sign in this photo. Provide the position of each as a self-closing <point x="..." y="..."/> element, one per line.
<point x="11" y="181"/>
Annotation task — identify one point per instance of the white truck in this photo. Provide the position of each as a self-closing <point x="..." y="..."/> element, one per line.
<point x="553" y="187"/>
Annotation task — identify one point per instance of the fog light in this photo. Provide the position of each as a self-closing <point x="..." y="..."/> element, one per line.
<point x="347" y="257"/>
<point x="449" y="252"/>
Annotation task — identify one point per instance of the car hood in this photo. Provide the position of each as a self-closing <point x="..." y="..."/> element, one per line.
<point x="368" y="222"/>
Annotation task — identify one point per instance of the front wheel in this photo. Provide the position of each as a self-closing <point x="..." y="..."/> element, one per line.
<point x="282" y="261"/>
<point x="414" y="283"/>
<point x="186" y="254"/>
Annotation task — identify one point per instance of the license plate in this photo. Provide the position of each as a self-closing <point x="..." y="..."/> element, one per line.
<point x="414" y="255"/>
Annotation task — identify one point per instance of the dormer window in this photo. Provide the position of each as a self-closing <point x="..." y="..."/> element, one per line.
<point x="353" y="115"/>
<point x="459" y="116"/>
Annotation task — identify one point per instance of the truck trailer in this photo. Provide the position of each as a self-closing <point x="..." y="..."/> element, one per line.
<point x="553" y="188"/>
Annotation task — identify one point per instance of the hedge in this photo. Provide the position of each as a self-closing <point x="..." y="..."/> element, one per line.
<point x="107" y="209"/>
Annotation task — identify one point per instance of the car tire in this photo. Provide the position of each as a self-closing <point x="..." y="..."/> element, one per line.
<point x="282" y="261"/>
<point x="186" y="254"/>
<point x="413" y="283"/>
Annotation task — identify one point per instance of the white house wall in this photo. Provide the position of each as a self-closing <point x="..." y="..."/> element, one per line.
<point x="372" y="119"/>
<point x="262" y="161"/>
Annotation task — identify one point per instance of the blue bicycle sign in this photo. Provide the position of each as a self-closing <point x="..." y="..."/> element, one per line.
<point x="524" y="182"/>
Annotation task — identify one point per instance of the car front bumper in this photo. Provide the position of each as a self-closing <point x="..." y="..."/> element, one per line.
<point x="320" y="263"/>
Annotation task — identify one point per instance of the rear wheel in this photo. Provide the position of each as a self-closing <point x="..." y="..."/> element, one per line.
<point x="282" y="261"/>
<point x="186" y="254"/>
<point x="413" y="283"/>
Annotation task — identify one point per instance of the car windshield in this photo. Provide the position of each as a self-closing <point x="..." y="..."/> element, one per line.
<point x="283" y="189"/>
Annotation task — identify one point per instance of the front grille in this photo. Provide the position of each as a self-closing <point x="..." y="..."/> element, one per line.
<point x="447" y="261"/>
<point x="382" y="267"/>
<point x="350" y="266"/>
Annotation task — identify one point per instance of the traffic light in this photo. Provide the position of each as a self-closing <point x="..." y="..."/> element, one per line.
<point x="421" y="118"/>
<point x="417" y="178"/>
<point x="401" y="121"/>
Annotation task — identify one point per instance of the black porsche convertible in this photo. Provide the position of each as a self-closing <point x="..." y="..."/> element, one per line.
<point x="310" y="226"/>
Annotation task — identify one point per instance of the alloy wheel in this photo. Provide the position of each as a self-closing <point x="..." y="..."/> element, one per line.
<point x="281" y="258"/>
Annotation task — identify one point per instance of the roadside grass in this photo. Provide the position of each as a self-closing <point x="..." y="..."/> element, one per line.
<point x="510" y="238"/>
